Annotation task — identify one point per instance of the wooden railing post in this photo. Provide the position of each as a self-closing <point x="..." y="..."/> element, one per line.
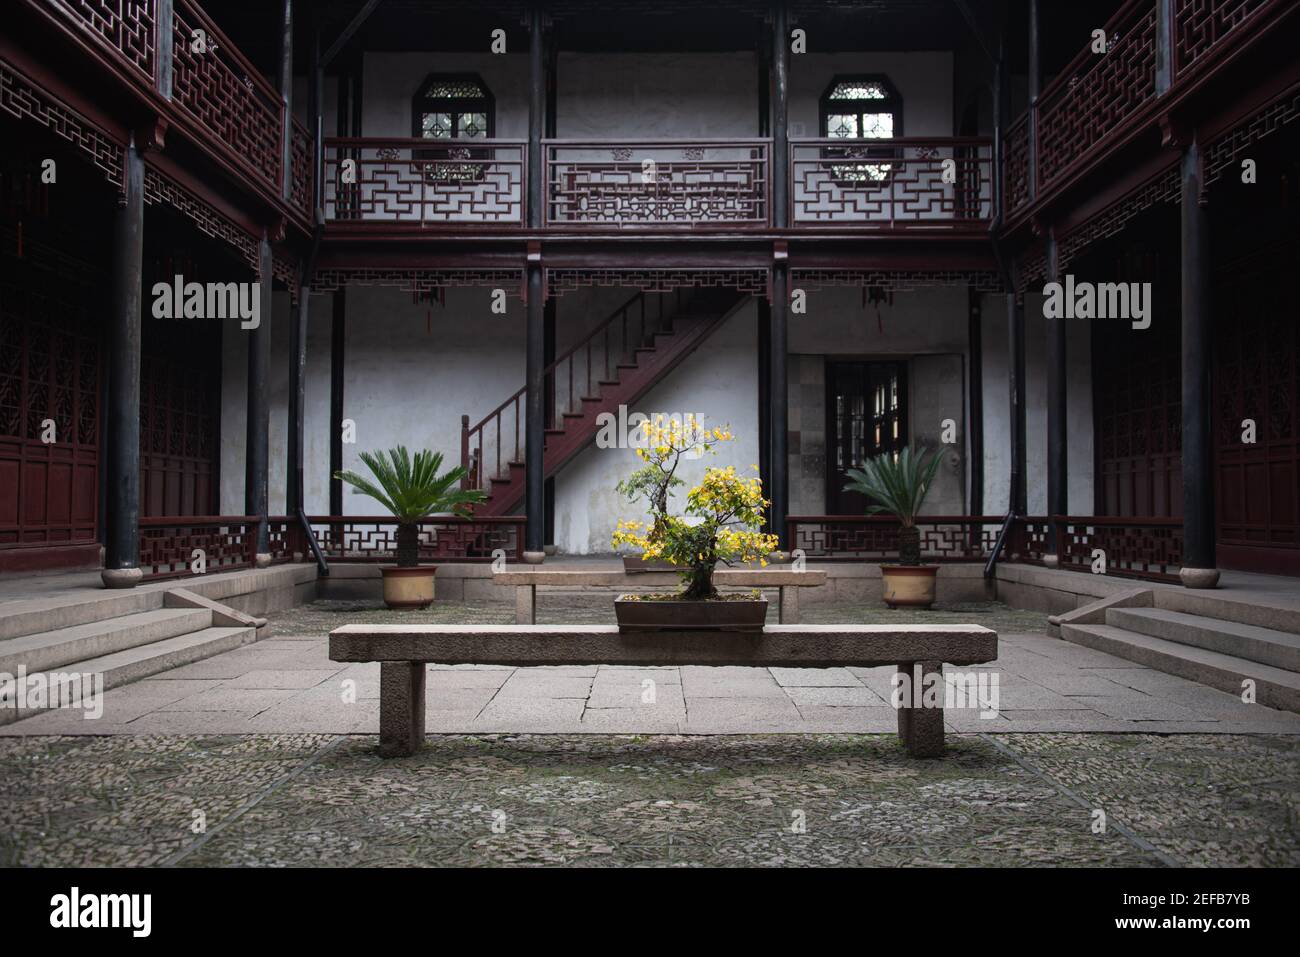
<point x="464" y="450"/>
<point x="165" y="33"/>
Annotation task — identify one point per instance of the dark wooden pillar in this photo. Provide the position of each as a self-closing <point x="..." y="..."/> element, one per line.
<point x="765" y="394"/>
<point x="257" y="454"/>
<point x="778" y="486"/>
<point x="293" y="489"/>
<point x="1200" y="564"/>
<point x="1035" y="79"/>
<point x="1016" y="381"/>
<point x="535" y="349"/>
<point x="338" y="340"/>
<point x="1057" y="397"/>
<point x="550" y="309"/>
<point x="122" y="517"/>
<point x="286" y="96"/>
<point x="166" y="47"/>
<point x="1164" y="45"/>
<point x="975" y="401"/>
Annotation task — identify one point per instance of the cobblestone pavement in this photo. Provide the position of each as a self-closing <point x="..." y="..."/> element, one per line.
<point x="603" y="800"/>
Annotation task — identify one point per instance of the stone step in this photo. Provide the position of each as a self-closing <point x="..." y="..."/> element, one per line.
<point x="1267" y="646"/>
<point x="33" y="616"/>
<point x="53" y="649"/>
<point x="1226" y="604"/>
<point x="123" y="667"/>
<point x="1274" y="687"/>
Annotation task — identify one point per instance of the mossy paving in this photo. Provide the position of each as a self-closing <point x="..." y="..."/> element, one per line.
<point x="586" y="800"/>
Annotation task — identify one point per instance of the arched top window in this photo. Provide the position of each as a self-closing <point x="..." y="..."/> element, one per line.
<point x="861" y="107"/>
<point x="453" y="106"/>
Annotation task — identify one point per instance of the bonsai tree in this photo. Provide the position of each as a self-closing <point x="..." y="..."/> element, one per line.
<point x="664" y="445"/>
<point x="725" y="510"/>
<point x="412" y="489"/>
<point x="898" y="483"/>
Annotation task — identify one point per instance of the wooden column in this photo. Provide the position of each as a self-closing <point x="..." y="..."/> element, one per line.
<point x="975" y="401"/>
<point x="765" y="395"/>
<point x="551" y="307"/>
<point x="122" y="516"/>
<point x="165" y="41"/>
<point x="338" y="341"/>
<point x="1035" y="79"/>
<point x="1199" y="558"/>
<point x="778" y="486"/>
<point x="1016" y="383"/>
<point x="535" y="350"/>
<point x="780" y="114"/>
<point x="286" y="97"/>
<point x="258" y="450"/>
<point x="1057" y="398"/>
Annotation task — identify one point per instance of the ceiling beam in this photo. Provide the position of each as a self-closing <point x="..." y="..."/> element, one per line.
<point x="348" y="32"/>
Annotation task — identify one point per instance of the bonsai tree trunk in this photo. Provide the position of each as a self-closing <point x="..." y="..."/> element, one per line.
<point x="909" y="545"/>
<point x="699" y="584"/>
<point x="408" y="545"/>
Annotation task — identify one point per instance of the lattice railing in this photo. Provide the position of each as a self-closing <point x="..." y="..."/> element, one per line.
<point x="426" y="181"/>
<point x="302" y="169"/>
<point x="1015" y="165"/>
<point x="127" y="29"/>
<point x="1199" y="25"/>
<point x="1149" y="548"/>
<point x="892" y="184"/>
<point x="690" y="184"/>
<point x="944" y="538"/>
<point x="347" y="538"/>
<point x="1097" y="91"/>
<point x="167" y="545"/>
<point x="237" y="110"/>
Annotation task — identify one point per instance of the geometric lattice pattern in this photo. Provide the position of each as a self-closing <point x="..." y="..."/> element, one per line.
<point x="1200" y="24"/>
<point x="1015" y="164"/>
<point x="902" y="280"/>
<point x="126" y="27"/>
<point x="21" y="98"/>
<point x="645" y="184"/>
<point x="348" y="539"/>
<point x="752" y="282"/>
<point x="167" y="545"/>
<point x="1227" y="151"/>
<point x="159" y="188"/>
<point x="1097" y="93"/>
<point x="1140" y="548"/>
<point x="303" y="169"/>
<point x="419" y="281"/>
<point x="875" y="538"/>
<point x="423" y="182"/>
<point x="237" y="109"/>
<point x="928" y="183"/>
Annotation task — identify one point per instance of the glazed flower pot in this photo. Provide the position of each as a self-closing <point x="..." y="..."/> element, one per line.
<point x="654" y="613"/>
<point x="410" y="587"/>
<point x="909" y="586"/>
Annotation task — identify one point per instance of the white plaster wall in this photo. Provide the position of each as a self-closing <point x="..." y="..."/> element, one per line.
<point x="719" y="383"/>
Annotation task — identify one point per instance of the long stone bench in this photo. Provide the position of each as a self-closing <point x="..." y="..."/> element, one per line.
<point x="403" y="652"/>
<point x="526" y="581"/>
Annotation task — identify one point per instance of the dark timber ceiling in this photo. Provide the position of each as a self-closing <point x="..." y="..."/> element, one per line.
<point x="666" y="25"/>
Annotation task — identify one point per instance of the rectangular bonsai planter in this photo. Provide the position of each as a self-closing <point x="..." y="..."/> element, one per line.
<point x="634" y="564"/>
<point x="748" y="615"/>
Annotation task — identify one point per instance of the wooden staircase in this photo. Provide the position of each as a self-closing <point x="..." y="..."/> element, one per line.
<point x="616" y="364"/>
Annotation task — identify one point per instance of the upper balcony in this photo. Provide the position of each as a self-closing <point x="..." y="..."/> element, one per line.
<point x="645" y="186"/>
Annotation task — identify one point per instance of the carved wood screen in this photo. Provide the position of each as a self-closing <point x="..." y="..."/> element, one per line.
<point x="1258" y="378"/>
<point x="49" y="399"/>
<point x="180" y="386"/>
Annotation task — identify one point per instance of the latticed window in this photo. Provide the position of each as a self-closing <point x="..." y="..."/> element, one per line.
<point x="451" y="106"/>
<point x="862" y="108"/>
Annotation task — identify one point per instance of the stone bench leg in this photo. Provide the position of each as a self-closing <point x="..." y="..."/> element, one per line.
<point x="789" y="605"/>
<point x="525" y="604"/>
<point x="920" y="729"/>
<point x="401" y="707"/>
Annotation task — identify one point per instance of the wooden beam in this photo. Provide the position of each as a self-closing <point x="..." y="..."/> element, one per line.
<point x="348" y="32"/>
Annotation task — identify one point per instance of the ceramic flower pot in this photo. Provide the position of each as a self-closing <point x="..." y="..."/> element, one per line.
<point x="649" y="613"/>
<point x="909" y="586"/>
<point x="410" y="587"/>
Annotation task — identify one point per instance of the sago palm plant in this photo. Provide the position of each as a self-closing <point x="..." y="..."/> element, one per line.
<point x="898" y="486"/>
<point x="412" y="489"/>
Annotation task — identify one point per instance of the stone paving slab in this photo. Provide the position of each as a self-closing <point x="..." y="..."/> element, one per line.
<point x="608" y="800"/>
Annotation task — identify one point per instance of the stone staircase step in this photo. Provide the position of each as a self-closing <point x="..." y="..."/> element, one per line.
<point x="53" y="649"/>
<point x="1274" y="687"/>
<point x="1267" y="646"/>
<point x="133" y="664"/>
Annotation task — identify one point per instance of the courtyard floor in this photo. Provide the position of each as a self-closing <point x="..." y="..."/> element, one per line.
<point x="265" y="755"/>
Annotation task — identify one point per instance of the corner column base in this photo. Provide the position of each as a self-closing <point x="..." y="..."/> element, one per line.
<point x="1199" y="577"/>
<point x="1052" y="560"/>
<point x="534" y="558"/>
<point x="121" y="577"/>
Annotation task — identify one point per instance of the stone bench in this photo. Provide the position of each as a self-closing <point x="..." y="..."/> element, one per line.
<point x="403" y="652"/>
<point x="526" y="580"/>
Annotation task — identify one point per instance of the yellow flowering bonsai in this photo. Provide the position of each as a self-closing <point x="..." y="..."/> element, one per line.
<point x="663" y="443"/>
<point x="721" y="517"/>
